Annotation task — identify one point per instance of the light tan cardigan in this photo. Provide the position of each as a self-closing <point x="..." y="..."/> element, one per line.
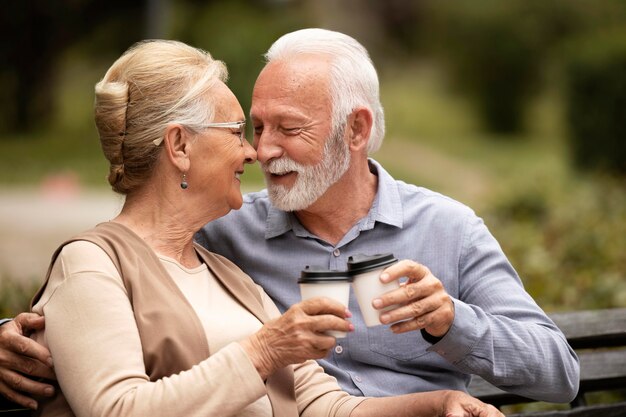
<point x="173" y="338"/>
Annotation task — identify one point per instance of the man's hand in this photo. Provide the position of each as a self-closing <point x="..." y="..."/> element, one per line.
<point x="423" y="301"/>
<point x="20" y="356"/>
<point x="297" y="335"/>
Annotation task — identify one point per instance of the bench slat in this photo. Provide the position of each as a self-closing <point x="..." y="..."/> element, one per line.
<point x="594" y="328"/>
<point x="598" y="370"/>
<point x="602" y="370"/>
<point x="603" y="410"/>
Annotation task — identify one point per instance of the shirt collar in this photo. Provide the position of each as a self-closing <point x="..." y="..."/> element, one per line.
<point x="278" y="222"/>
<point x="387" y="208"/>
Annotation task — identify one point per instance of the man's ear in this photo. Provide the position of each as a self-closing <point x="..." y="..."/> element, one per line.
<point x="177" y="146"/>
<point x="359" y="127"/>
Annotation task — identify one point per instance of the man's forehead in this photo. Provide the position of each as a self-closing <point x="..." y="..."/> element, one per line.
<point x="279" y="112"/>
<point x="286" y="83"/>
<point x="297" y="71"/>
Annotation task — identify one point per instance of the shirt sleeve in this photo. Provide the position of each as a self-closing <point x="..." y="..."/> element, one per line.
<point x="499" y="332"/>
<point x="92" y="335"/>
<point x="317" y="393"/>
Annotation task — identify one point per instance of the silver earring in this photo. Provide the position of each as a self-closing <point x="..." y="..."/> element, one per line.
<point x="183" y="183"/>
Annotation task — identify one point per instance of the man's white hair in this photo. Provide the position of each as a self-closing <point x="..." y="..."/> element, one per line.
<point x="353" y="78"/>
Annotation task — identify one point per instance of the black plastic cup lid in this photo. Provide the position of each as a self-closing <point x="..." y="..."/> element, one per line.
<point x="313" y="274"/>
<point x="360" y="263"/>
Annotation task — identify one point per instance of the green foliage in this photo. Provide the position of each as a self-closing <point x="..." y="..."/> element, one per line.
<point x="500" y="53"/>
<point x="493" y="51"/>
<point x="596" y="101"/>
<point x="566" y="240"/>
<point x="15" y="296"/>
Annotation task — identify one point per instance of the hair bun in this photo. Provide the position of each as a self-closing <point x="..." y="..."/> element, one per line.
<point x="110" y="116"/>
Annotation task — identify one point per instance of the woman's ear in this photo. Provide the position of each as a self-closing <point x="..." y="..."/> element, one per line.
<point x="359" y="127"/>
<point x="177" y="146"/>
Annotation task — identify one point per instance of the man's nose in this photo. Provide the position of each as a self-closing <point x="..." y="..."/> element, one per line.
<point x="268" y="146"/>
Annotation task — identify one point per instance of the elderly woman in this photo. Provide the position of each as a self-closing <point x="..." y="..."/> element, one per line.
<point x="142" y="321"/>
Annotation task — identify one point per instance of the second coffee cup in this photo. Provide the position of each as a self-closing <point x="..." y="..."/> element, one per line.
<point x="319" y="282"/>
<point x="365" y="271"/>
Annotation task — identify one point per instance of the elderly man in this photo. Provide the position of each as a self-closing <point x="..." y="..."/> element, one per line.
<point x="463" y="310"/>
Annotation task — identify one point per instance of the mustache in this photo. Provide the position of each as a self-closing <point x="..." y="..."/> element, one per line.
<point x="281" y="166"/>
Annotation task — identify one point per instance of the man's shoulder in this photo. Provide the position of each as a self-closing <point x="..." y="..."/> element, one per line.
<point x="417" y="196"/>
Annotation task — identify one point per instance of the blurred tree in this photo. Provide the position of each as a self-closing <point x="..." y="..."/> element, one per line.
<point x="596" y="101"/>
<point x="402" y="22"/>
<point x="497" y="51"/>
<point x="35" y="35"/>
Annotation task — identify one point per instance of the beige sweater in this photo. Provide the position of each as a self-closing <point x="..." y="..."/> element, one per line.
<point x="93" y="336"/>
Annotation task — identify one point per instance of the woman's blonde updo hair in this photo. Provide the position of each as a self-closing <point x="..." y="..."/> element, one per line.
<point x="153" y="84"/>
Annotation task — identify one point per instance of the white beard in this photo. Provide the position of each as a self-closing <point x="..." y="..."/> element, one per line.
<point x="311" y="181"/>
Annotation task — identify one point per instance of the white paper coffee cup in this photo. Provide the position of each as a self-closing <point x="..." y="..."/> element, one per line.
<point x="319" y="282"/>
<point x="365" y="271"/>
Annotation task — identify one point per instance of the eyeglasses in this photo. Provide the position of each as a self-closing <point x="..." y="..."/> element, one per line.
<point x="230" y="125"/>
<point x="241" y="126"/>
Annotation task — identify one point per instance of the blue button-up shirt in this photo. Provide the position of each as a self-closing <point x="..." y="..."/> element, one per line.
<point x="498" y="332"/>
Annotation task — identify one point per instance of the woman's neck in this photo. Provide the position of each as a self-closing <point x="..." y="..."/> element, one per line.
<point x="166" y="229"/>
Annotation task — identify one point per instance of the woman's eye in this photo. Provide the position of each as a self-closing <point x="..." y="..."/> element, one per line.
<point x="258" y="130"/>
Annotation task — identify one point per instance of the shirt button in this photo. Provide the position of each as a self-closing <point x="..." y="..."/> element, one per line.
<point x="338" y="349"/>
<point x="336" y="252"/>
<point x="358" y="379"/>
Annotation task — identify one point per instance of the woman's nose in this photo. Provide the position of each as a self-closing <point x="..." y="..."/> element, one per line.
<point x="249" y="153"/>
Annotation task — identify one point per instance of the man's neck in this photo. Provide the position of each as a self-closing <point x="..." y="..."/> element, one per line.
<point x="342" y="206"/>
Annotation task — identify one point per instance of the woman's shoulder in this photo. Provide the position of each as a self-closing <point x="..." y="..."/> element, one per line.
<point x="77" y="260"/>
<point x="82" y="255"/>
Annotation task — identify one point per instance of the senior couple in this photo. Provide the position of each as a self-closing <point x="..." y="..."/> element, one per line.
<point x="142" y="320"/>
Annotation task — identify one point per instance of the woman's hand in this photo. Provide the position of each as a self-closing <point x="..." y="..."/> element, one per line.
<point x="460" y="404"/>
<point x="297" y="335"/>
<point x="443" y="403"/>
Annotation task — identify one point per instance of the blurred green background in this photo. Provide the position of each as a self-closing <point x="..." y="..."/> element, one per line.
<point x="516" y="108"/>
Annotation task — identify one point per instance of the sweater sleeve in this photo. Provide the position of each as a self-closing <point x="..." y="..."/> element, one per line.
<point x="499" y="332"/>
<point x="317" y="393"/>
<point x="93" y="338"/>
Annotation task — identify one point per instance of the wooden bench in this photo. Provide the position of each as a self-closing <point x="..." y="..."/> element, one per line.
<point x="599" y="338"/>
